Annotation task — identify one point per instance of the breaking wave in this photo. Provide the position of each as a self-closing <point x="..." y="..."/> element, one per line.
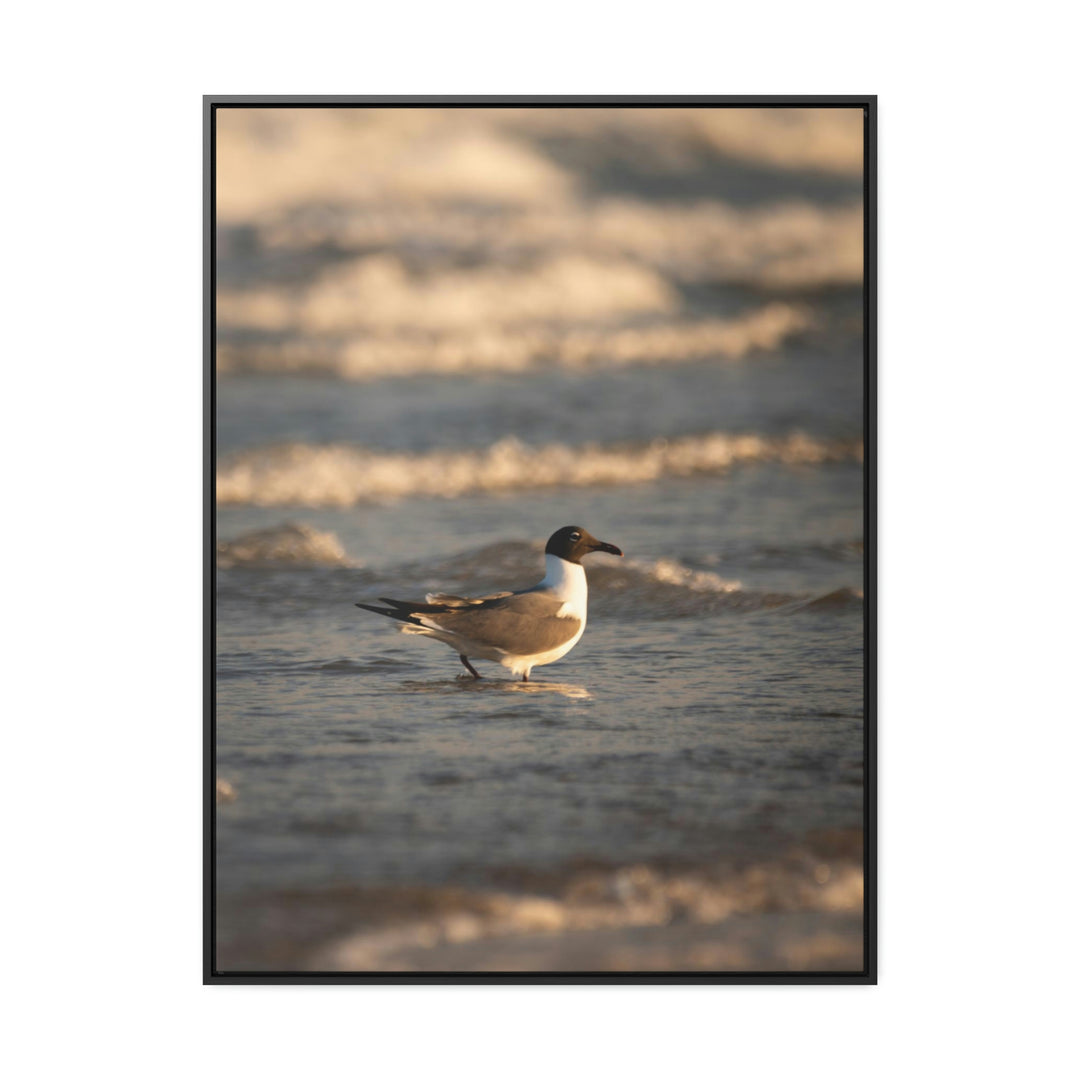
<point x="287" y="545"/>
<point x="302" y="474"/>
<point x="665" y="588"/>
<point x="839" y="600"/>
<point x="790" y="245"/>
<point x="455" y="929"/>
<point x="378" y="292"/>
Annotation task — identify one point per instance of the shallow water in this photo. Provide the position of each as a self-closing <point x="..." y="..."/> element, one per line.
<point x="698" y="758"/>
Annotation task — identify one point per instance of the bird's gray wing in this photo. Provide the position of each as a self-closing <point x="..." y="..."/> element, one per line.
<point x="522" y="623"/>
<point x="434" y="604"/>
<point x="451" y="601"/>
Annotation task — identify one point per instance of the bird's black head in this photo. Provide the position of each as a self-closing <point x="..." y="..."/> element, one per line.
<point x="573" y="543"/>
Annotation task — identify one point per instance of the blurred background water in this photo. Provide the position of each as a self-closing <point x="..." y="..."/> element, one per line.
<point x="441" y="335"/>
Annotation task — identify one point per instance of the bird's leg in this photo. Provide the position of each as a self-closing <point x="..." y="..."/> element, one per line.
<point x="525" y="677"/>
<point x="465" y="660"/>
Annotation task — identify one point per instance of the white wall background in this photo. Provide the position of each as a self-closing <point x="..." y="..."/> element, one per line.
<point x="101" y="448"/>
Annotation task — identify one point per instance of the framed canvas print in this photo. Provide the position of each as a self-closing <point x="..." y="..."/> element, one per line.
<point x="540" y="539"/>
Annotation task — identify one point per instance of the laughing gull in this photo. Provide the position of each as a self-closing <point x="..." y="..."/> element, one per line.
<point x="520" y="630"/>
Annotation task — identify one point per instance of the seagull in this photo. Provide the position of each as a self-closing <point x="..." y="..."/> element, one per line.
<point x="520" y="630"/>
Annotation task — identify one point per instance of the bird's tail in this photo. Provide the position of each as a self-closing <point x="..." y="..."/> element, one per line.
<point x="402" y="610"/>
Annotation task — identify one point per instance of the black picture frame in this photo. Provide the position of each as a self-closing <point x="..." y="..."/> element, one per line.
<point x="868" y="975"/>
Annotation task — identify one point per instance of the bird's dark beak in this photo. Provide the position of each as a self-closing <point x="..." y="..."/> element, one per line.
<point x="611" y="549"/>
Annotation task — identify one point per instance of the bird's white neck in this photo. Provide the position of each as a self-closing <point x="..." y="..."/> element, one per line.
<point x="566" y="580"/>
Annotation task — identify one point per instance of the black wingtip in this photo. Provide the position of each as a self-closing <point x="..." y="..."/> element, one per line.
<point x="401" y="614"/>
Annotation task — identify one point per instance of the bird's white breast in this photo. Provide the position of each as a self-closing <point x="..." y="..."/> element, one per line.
<point x="566" y="581"/>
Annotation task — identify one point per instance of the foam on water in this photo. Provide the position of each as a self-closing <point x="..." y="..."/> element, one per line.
<point x="269" y="159"/>
<point x="378" y="292"/>
<point x="822" y="140"/>
<point x="666" y="589"/>
<point x="631" y="897"/>
<point x="303" y="474"/>
<point x="672" y="572"/>
<point x="491" y="348"/>
<point x="273" y="158"/>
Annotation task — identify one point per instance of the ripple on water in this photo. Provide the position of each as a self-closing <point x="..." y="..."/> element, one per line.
<point x="495" y="686"/>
